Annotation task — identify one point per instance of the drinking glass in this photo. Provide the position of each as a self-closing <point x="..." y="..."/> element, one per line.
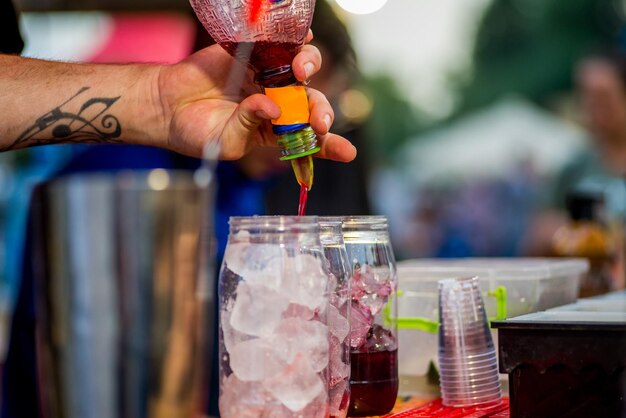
<point x="274" y="333"/>
<point x="468" y="366"/>
<point x="373" y="334"/>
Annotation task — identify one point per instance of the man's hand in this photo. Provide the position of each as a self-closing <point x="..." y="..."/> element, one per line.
<point x="211" y="97"/>
<point x="207" y="97"/>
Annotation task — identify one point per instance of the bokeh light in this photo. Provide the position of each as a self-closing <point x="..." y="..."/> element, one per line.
<point x="361" y="7"/>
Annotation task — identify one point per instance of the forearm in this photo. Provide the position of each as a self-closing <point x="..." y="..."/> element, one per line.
<point x="44" y="102"/>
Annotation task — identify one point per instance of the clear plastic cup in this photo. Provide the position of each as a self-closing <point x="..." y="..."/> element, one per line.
<point x="467" y="356"/>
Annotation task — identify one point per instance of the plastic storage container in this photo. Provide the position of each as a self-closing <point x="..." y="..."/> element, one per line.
<point x="510" y="287"/>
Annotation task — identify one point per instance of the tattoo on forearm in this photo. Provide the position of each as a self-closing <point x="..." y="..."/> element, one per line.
<point x="78" y="119"/>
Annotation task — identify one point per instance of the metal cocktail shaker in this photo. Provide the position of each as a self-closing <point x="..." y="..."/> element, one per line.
<point x="124" y="294"/>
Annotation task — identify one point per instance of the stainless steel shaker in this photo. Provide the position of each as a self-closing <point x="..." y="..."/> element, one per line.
<point x="124" y="294"/>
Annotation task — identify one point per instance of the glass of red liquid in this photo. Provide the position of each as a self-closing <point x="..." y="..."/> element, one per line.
<point x="373" y="334"/>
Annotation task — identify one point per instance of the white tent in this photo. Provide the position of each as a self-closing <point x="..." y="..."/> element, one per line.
<point x="490" y="141"/>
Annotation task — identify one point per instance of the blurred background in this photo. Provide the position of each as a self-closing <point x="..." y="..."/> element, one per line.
<point x="474" y="119"/>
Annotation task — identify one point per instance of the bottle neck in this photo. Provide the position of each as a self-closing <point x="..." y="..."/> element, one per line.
<point x="296" y="138"/>
<point x="299" y="143"/>
<point x="281" y="76"/>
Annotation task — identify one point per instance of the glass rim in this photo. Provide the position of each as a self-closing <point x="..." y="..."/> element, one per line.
<point x="366" y="222"/>
<point x="280" y="223"/>
<point x="330" y="220"/>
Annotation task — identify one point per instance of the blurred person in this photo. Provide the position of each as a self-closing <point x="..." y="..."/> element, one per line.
<point x="601" y="85"/>
<point x="599" y="169"/>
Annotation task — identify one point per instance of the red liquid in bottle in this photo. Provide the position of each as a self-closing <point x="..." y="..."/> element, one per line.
<point x="373" y="382"/>
<point x="263" y="55"/>
<point x="304" y="195"/>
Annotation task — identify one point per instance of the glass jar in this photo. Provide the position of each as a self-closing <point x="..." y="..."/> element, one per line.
<point x="373" y="334"/>
<point x="338" y="314"/>
<point x="274" y="334"/>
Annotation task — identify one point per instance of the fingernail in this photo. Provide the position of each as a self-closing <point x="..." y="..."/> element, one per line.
<point x="327" y="121"/>
<point x="308" y="69"/>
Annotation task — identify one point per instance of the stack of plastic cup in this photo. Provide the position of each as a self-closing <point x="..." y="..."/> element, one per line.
<point x="467" y="356"/>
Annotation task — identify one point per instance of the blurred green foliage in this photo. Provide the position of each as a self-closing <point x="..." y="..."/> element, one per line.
<point x="392" y="120"/>
<point x="530" y="47"/>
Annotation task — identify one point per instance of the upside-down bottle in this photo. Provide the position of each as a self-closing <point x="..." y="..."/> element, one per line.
<point x="266" y="35"/>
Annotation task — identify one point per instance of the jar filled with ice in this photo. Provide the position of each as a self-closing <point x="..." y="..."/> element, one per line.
<point x="373" y="334"/>
<point x="274" y="334"/>
<point x="331" y="238"/>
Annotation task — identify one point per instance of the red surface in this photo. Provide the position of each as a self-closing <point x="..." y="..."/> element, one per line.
<point x="438" y="410"/>
<point x="148" y="37"/>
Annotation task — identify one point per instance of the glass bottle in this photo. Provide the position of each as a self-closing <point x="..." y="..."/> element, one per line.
<point x="373" y="334"/>
<point x="274" y="334"/>
<point x="266" y="35"/>
<point x="338" y="314"/>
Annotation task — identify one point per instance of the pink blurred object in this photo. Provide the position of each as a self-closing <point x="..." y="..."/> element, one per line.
<point x="148" y="37"/>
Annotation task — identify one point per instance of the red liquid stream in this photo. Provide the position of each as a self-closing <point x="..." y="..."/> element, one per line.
<point x="304" y="195"/>
<point x="373" y="383"/>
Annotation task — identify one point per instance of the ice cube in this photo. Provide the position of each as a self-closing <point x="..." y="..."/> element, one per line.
<point x="371" y="287"/>
<point x="230" y="336"/>
<point x="339" y="370"/>
<point x="338" y="324"/>
<point x="298" y="311"/>
<point x="340" y="296"/>
<point x="296" y="336"/>
<point x="380" y="339"/>
<point x="332" y="283"/>
<point x="361" y="320"/>
<point x="255" y="360"/>
<point x="256" y="262"/>
<point x="316" y="409"/>
<point x="258" y="309"/>
<point x="240" y="399"/>
<point x="339" y="396"/>
<point x="307" y="281"/>
<point x="297" y="385"/>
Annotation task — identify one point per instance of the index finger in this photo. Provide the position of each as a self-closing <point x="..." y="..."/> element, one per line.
<point x="307" y="62"/>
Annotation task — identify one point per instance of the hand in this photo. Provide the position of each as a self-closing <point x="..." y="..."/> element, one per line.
<point x="200" y="106"/>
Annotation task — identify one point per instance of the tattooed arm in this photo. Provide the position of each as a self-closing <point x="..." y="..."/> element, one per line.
<point x="179" y="107"/>
<point x="46" y="102"/>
